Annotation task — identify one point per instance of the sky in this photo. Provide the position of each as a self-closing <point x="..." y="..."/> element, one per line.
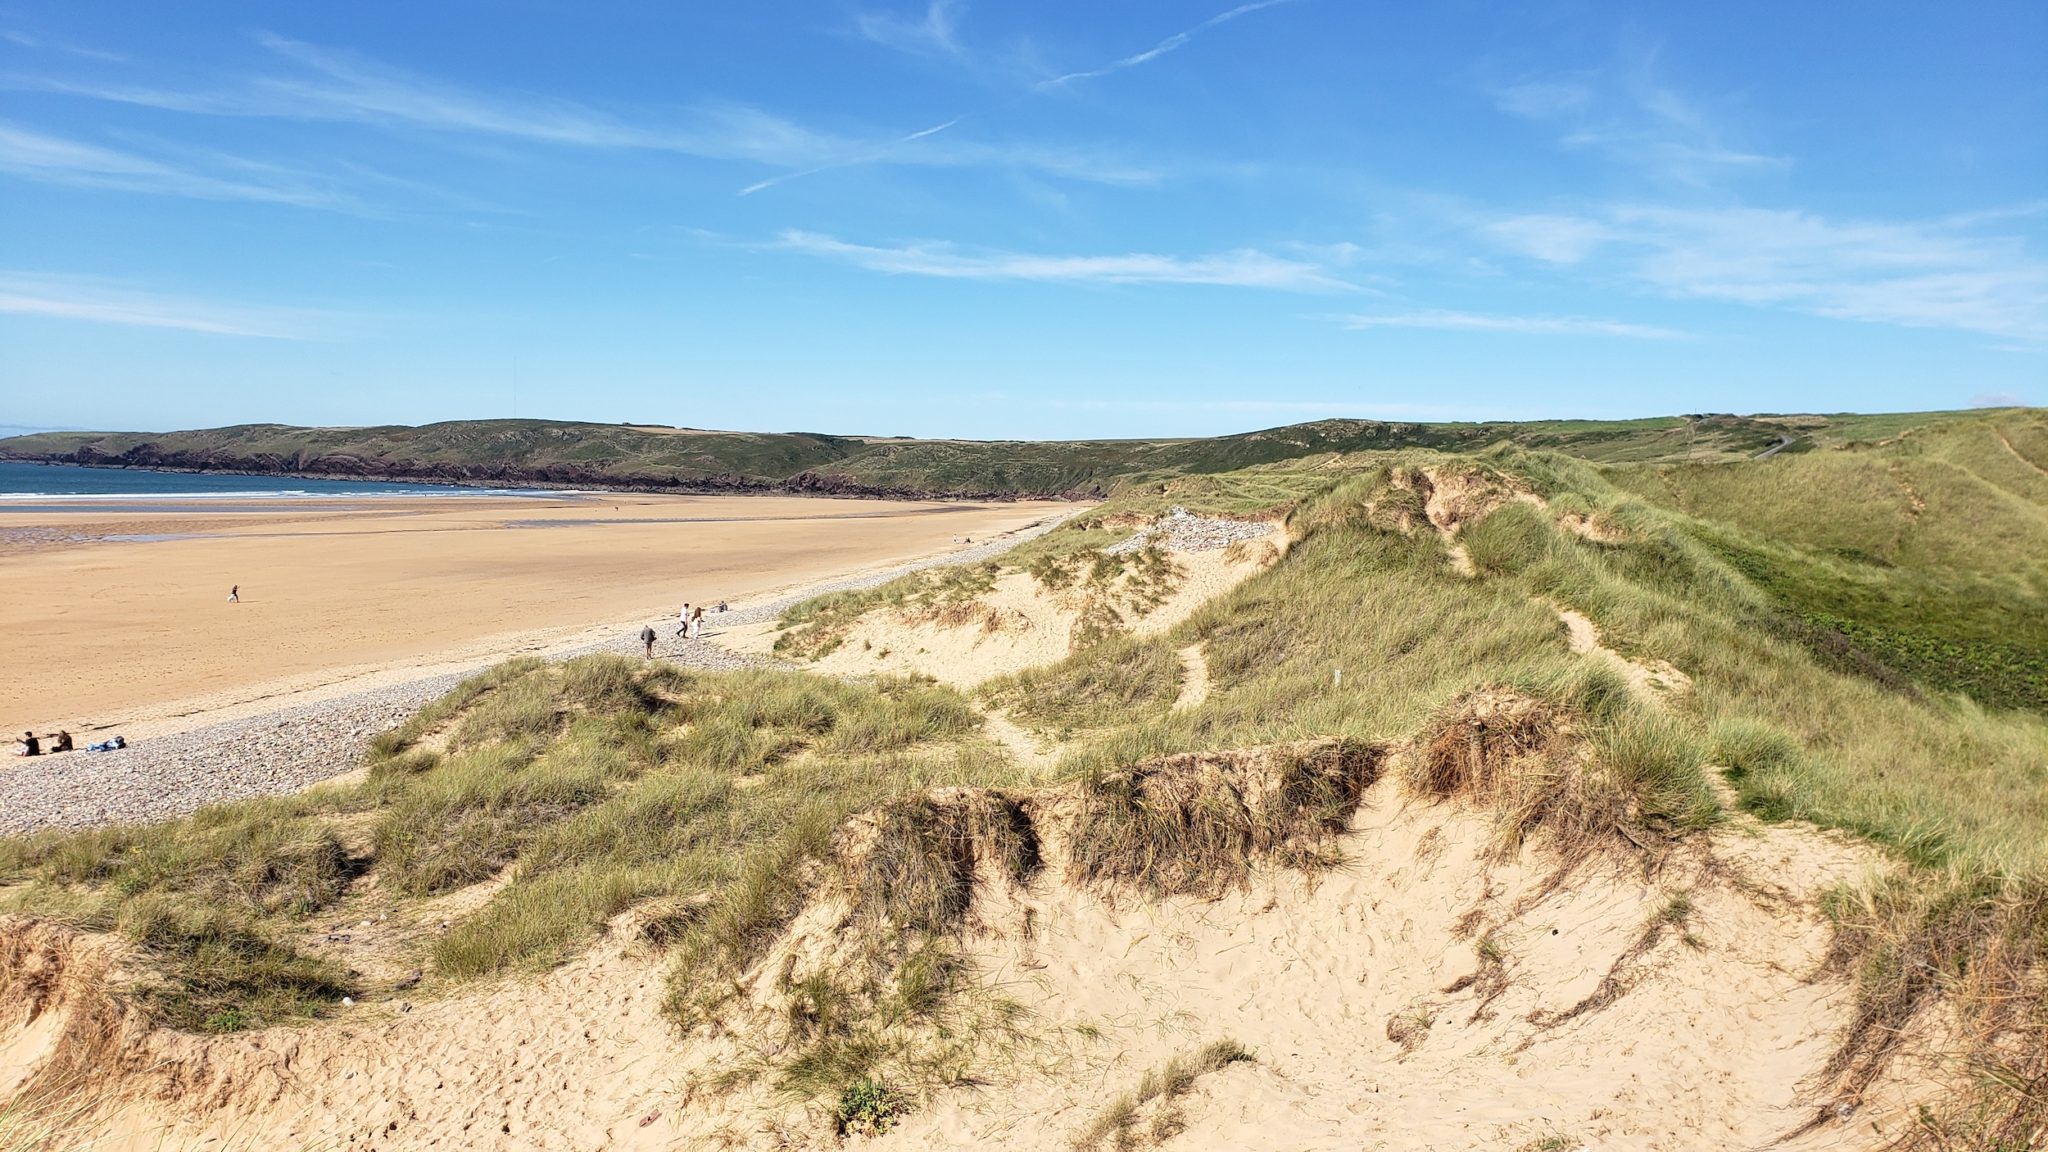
<point x="1047" y="220"/>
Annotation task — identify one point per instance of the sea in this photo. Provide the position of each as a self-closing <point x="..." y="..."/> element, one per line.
<point x="26" y="485"/>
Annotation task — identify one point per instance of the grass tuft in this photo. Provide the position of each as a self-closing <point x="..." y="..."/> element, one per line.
<point x="918" y="871"/>
<point x="1197" y="823"/>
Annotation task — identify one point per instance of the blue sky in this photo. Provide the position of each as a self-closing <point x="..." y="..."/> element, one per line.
<point x="1045" y="220"/>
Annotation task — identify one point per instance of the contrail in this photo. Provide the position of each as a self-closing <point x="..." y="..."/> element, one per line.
<point x="1170" y="44"/>
<point x="867" y="158"/>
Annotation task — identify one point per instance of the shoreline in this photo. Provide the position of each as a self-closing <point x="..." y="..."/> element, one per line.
<point x="811" y="484"/>
<point x="278" y="743"/>
<point x="117" y="617"/>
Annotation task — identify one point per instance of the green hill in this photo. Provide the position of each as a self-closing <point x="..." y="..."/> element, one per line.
<point x="545" y="452"/>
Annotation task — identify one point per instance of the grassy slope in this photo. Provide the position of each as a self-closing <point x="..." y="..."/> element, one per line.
<point x="604" y="785"/>
<point x="1928" y="554"/>
<point x="542" y="451"/>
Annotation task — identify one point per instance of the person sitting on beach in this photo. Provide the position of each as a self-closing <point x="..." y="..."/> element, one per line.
<point x="647" y="639"/>
<point x="62" y="743"/>
<point x="30" y="746"/>
<point x="721" y="605"/>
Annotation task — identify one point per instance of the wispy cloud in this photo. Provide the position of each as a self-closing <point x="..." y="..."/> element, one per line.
<point x="109" y="302"/>
<point x="1244" y="268"/>
<point x="1172" y="43"/>
<point x="1941" y="274"/>
<point x="1627" y="113"/>
<point x="37" y="156"/>
<point x="1450" y="321"/>
<point x="343" y="87"/>
<point x="340" y="86"/>
<point x="935" y="34"/>
<point x="1551" y="238"/>
<point x="22" y="39"/>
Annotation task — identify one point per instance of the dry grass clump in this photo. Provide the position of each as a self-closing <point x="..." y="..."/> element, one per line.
<point x="1411" y="1027"/>
<point x="1539" y="767"/>
<point x="874" y="1036"/>
<point x="1149" y="577"/>
<point x="1979" y="946"/>
<point x="1119" y="1125"/>
<point x="913" y="866"/>
<point x="1118" y="589"/>
<point x="883" y="1015"/>
<point x="1198" y="822"/>
<point x="1477" y="743"/>
<point x="1097" y="621"/>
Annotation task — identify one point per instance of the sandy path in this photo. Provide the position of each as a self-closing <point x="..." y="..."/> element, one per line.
<point x="337" y="594"/>
<point x="1647" y="678"/>
<point x="1194" y="677"/>
<point x="2017" y="456"/>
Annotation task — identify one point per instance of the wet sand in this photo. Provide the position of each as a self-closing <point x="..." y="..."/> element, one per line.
<point x="119" y="616"/>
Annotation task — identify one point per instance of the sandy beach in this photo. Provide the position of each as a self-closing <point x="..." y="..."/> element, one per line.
<point x="117" y="614"/>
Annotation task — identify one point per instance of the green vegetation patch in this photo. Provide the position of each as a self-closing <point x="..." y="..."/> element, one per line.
<point x="1984" y="638"/>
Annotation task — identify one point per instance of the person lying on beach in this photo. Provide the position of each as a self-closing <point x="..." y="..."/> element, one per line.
<point x="30" y="746"/>
<point x="62" y="743"/>
<point x="114" y="745"/>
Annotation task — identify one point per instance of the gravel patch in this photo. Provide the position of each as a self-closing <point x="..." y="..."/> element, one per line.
<point x="292" y="748"/>
<point x="1182" y="531"/>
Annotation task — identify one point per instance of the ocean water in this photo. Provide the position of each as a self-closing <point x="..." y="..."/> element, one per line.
<point x="22" y="483"/>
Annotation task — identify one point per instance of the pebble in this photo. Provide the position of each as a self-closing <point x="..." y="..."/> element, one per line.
<point x="1182" y="531"/>
<point x="290" y="749"/>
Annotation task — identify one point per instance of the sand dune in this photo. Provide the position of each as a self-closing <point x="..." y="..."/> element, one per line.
<point x="1354" y="992"/>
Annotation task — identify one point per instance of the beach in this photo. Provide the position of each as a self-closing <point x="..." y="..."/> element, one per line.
<point x="117" y="612"/>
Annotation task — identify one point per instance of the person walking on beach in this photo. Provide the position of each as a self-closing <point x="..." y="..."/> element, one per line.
<point x="235" y="594"/>
<point x="647" y="639"/>
<point x="683" y="620"/>
<point x="697" y="624"/>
